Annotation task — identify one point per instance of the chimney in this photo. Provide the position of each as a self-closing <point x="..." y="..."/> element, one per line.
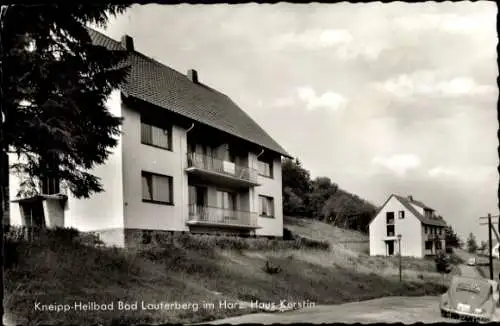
<point x="127" y="42"/>
<point x="193" y="75"/>
<point x="410" y="197"/>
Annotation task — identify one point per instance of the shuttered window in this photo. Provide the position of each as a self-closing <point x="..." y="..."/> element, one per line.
<point x="156" y="136"/>
<point x="157" y="188"/>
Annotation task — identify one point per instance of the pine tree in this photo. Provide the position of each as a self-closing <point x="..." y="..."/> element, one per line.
<point x="55" y="85"/>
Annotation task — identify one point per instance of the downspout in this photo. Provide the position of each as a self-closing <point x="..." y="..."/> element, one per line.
<point x="183" y="170"/>
<point x="253" y="190"/>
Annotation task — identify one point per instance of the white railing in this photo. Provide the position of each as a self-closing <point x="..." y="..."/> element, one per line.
<point x="221" y="216"/>
<point x="213" y="164"/>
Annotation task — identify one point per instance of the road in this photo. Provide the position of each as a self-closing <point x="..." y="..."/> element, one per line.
<point x="406" y="310"/>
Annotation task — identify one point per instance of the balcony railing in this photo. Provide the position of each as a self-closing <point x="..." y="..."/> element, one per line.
<point x="216" y="165"/>
<point x="221" y="216"/>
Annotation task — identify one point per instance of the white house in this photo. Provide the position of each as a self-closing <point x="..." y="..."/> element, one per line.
<point x="189" y="159"/>
<point x="421" y="230"/>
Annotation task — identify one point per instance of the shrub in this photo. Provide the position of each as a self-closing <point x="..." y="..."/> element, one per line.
<point x="442" y="263"/>
<point x="271" y="269"/>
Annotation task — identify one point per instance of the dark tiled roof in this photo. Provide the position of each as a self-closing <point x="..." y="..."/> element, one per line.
<point x="160" y="85"/>
<point x="425" y="220"/>
<point x="405" y="201"/>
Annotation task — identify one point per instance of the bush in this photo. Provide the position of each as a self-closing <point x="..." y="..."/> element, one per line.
<point x="271" y="269"/>
<point x="442" y="263"/>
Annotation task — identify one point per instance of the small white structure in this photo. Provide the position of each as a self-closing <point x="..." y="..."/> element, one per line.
<point x="421" y="229"/>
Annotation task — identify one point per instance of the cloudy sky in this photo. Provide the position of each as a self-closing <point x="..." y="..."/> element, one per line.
<point x="382" y="98"/>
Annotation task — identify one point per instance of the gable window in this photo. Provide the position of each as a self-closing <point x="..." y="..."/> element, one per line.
<point x="401" y="215"/>
<point x="266" y="206"/>
<point x="154" y="135"/>
<point x="265" y="168"/>
<point x="157" y="188"/>
<point x="389" y="216"/>
<point x="391" y="230"/>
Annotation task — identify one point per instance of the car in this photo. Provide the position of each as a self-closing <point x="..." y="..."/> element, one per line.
<point x="470" y="298"/>
<point x="472" y="262"/>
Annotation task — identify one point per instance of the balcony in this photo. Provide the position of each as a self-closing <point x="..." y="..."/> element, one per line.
<point x="216" y="171"/>
<point x="221" y="217"/>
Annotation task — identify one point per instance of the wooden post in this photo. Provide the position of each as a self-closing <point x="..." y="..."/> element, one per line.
<point x="490" y="246"/>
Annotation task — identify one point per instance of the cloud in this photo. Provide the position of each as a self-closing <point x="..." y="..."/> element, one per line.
<point x="465" y="174"/>
<point x="329" y="100"/>
<point x="426" y="83"/>
<point x="312" y="39"/>
<point x="398" y="163"/>
<point x="451" y="23"/>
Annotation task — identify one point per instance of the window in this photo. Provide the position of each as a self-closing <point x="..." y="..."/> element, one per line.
<point x="390" y="231"/>
<point x="226" y="200"/>
<point x="440" y="231"/>
<point x="426" y="229"/>
<point x="438" y="245"/>
<point x="156" y="136"/>
<point x="50" y="186"/>
<point x="266" y="206"/>
<point x="389" y="216"/>
<point x="401" y="215"/>
<point x="428" y="245"/>
<point x="157" y="188"/>
<point x="265" y="168"/>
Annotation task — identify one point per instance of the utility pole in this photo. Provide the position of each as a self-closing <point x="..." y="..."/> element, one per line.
<point x="490" y="246"/>
<point x="491" y="230"/>
<point x="400" y="264"/>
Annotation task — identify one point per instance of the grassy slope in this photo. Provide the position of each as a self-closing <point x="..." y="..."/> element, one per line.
<point x="64" y="274"/>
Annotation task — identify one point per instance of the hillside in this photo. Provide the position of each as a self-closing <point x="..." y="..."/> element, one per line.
<point x="321" y="199"/>
<point x="193" y="270"/>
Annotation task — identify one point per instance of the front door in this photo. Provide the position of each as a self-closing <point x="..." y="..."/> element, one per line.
<point x="390" y="248"/>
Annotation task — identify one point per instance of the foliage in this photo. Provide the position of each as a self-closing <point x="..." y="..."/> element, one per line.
<point x="471" y="243"/>
<point x="55" y="87"/>
<point x="451" y="238"/>
<point x="322" y="199"/>
<point x="442" y="262"/>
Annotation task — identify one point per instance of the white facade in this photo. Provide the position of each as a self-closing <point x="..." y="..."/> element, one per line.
<point x="121" y="207"/>
<point x="383" y="233"/>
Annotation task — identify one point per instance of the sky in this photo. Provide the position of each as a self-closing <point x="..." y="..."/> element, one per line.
<point x="381" y="98"/>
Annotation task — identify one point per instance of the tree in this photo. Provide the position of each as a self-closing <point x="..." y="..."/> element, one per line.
<point x="483" y="245"/>
<point x="296" y="185"/>
<point x="471" y="243"/>
<point x="451" y="238"/>
<point x="55" y="86"/>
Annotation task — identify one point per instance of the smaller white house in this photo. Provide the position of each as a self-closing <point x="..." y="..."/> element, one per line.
<point x="405" y="223"/>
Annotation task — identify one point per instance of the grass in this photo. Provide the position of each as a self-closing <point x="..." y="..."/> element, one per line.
<point x="323" y="264"/>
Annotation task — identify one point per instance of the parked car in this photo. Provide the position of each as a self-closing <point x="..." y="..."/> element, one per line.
<point x="472" y="261"/>
<point x="470" y="298"/>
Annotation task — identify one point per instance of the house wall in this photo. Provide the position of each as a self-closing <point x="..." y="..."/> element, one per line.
<point x="411" y="240"/>
<point x="138" y="157"/>
<point x="102" y="211"/>
<point x="272" y="188"/>
<point x="53" y="209"/>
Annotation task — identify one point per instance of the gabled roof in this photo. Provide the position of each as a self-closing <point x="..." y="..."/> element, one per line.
<point x="407" y="203"/>
<point x="160" y="85"/>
